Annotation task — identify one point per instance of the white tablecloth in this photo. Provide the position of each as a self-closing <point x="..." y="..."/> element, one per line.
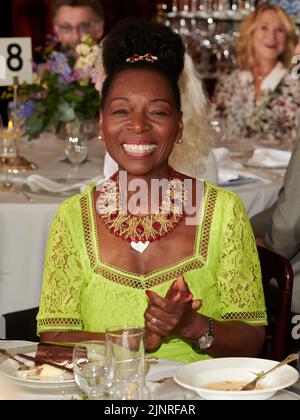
<point x="164" y="369"/>
<point x="24" y="226"/>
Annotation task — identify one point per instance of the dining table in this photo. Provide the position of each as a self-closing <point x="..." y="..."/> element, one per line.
<point x="159" y="381"/>
<point x="26" y="215"/>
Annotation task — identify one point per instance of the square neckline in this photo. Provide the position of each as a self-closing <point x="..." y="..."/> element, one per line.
<point x="169" y="268"/>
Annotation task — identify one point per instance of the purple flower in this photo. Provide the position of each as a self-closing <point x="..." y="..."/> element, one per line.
<point x="40" y="68"/>
<point x="26" y="109"/>
<point x="38" y="95"/>
<point x="78" y="75"/>
<point x="60" y="65"/>
<point x="78" y="92"/>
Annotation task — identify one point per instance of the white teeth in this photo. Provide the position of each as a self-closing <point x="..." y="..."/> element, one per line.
<point x="139" y="148"/>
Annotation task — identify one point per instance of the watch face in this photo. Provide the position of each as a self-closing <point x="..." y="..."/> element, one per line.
<point x="206" y="341"/>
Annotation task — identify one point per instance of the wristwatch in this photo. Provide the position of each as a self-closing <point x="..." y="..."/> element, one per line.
<point x="206" y="340"/>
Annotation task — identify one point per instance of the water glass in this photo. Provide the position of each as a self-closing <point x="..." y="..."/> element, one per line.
<point x="218" y="135"/>
<point x="76" y="150"/>
<point x="126" y="358"/>
<point x="7" y="155"/>
<point x="90" y="368"/>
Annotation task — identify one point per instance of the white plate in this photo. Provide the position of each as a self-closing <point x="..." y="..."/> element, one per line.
<point x="196" y="375"/>
<point x="9" y="369"/>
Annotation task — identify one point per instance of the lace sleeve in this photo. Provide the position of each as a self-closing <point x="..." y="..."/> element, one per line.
<point x="239" y="275"/>
<point x="60" y="306"/>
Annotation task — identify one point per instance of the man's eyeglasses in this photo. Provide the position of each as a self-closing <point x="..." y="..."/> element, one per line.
<point x="81" y="28"/>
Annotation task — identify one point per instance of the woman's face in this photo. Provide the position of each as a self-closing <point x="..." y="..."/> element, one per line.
<point x="140" y="122"/>
<point x="269" y="37"/>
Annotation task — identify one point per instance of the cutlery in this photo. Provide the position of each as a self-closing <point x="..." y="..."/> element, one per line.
<point x="22" y="366"/>
<point x="161" y="380"/>
<point x="251" y="385"/>
<point x="46" y="362"/>
<point x="19" y="189"/>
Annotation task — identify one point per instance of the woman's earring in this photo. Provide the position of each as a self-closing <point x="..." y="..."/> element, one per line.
<point x="180" y="141"/>
<point x="100" y="137"/>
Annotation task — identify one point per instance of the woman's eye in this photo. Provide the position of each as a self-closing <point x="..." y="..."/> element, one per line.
<point x="120" y="111"/>
<point x="159" y="112"/>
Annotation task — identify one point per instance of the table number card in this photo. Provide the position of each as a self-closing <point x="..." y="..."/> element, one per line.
<point x="15" y="60"/>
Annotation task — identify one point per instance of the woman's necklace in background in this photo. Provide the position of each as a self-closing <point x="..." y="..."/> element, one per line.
<point x="139" y="231"/>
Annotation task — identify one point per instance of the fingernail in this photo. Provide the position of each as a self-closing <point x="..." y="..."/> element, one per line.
<point x="148" y="293"/>
<point x="187" y="294"/>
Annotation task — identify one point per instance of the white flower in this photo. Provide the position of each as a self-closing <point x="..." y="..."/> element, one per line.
<point x="83" y="49"/>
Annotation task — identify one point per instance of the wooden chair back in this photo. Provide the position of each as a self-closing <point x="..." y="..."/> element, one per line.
<point x="278" y="301"/>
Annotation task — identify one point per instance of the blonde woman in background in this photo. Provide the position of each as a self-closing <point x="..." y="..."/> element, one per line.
<point x="260" y="99"/>
<point x="192" y="155"/>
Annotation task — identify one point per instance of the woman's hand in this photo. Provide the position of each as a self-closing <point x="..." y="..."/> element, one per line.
<point x="163" y="315"/>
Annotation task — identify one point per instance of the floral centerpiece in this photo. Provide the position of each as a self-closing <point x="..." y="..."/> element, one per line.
<point x="63" y="89"/>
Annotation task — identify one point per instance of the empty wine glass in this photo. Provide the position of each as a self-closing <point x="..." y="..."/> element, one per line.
<point x="76" y="150"/>
<point x="90" y="368"/>
<point x="7" y="155"/>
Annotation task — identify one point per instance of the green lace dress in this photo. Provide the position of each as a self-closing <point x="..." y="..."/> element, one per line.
<point x="81" y="293"/>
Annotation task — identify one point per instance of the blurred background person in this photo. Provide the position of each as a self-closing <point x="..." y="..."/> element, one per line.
<point x="261" y="99"/>
<point x="278" y="227"/>
<point x="74" y="18"/>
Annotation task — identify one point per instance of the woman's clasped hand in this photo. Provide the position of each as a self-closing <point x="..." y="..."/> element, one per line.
<point x="172" y="314"/>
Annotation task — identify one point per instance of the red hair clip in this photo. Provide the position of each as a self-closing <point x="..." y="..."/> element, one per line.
<point x="146" y="57"/>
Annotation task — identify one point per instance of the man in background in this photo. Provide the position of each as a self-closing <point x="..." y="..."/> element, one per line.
<point x="278" y="227"/>
<point x="74" y="18"/>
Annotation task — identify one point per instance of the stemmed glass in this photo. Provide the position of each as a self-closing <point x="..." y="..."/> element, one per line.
<point x="90" y="368"/>
<point x="7" y="155"/>
<point x="76" y="150"/>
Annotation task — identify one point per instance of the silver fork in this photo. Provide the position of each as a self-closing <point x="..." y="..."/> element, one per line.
<point x="251" y="385"/>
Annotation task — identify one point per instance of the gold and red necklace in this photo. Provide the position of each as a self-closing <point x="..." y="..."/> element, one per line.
<point x="139" y="231"/>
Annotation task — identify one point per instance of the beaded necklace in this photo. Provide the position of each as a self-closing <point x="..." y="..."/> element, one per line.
<point x="139" y="231"/>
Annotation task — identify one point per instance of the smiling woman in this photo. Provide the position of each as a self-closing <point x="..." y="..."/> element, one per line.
<point x="151" y="247"/>
<point x="261" y="99"/>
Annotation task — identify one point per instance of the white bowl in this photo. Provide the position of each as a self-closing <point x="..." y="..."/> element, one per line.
<point x="198" y="374"/>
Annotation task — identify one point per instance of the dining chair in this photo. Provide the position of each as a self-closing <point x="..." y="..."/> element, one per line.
<point x="277" y="277"/>
<point x="21" y="325"/>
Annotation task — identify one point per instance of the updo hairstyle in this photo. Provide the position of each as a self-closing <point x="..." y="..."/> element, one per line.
<point x="135" y="37"/>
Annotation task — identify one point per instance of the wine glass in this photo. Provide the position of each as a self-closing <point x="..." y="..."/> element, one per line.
<point x="90" y="368"/>
<point x="76" y="150"/>
<point x="218" y="134"/>
<point x="7" y="155"/>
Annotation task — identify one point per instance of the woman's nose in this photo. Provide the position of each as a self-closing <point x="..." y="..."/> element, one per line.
<point x="271" y="36"/>
<point x="139" y="122"/>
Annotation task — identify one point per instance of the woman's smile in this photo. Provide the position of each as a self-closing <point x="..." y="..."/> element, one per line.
<point x="139" y="149"/>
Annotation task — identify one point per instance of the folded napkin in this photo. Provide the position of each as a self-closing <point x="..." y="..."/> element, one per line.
<point x="40" y="183"/>
<point x="270" y="158"/>
<point x="222" y="155"/>
<point x="231" y="172"/>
